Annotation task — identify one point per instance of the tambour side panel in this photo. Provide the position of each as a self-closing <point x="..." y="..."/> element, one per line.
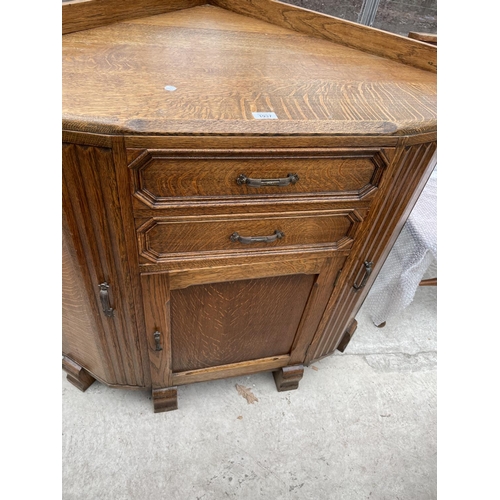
<point x="91" y="198"/>
<point x="80" y="338"/>
<point x="409" y="173"/>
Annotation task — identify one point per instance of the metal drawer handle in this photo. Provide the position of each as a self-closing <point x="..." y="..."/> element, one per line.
<point x="368" y="271"/>
<point x="104" y="295"/>
<point x="283" y="181"/>
<point x="257" y="239"/>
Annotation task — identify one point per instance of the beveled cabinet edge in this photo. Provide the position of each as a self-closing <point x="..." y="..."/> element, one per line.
<point x="88" y="139"/>
<point x="185" y="277"/>
<point x="284" y="141"/>
<point x="250" y="141"/>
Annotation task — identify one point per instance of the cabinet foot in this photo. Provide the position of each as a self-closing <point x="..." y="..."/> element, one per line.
<point x="77" y="375"/>
<point x="165" y="399"/>
<point x="347" y="336"/>
<point x="288" y="377"/>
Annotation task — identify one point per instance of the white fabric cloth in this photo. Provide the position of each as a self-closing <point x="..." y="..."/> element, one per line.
<point x="414" y="252"/>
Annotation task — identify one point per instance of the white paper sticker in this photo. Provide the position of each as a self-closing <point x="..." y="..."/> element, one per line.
<point x="268" y="115"/>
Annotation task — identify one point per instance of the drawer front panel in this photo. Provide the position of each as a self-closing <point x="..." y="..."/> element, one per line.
<point x="162" y="239"/>
<point x="160" y="180"/>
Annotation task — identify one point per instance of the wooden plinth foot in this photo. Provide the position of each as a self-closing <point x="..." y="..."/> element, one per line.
<point x="77" y="375"/>
<point x="288" y="377"/>
<point x="347" y="336"/>
<point x="165" y="399"/>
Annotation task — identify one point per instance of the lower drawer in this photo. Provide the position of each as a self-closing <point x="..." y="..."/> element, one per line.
<point x="163" y="238"/>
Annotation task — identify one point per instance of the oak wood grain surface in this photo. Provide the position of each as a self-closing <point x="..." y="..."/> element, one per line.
<point x="86" y="14"/>
<point x="230" y="322"/>
<point x="338" y="30"/>
<point x="230" y="370"/>
<point x="156" y="295"/>
<point x="294" y="143"/>
<point x="81" y="342"/>
<point x="225" y="66"/>
<point x="95" y="231"/>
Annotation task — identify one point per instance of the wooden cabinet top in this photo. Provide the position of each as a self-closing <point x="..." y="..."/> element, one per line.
<point x="190" y="67"/>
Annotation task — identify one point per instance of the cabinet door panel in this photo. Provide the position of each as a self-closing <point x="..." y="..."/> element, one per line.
<point x="223" y="323"/>
<point x="234" y="324"/>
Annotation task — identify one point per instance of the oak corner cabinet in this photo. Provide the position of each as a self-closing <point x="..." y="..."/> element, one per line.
<point x="234" y="174"/>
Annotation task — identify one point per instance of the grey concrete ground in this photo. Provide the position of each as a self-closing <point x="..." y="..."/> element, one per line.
<point x="362" y="425"/>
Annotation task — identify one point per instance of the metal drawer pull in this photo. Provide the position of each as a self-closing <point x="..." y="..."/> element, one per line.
<point x="283" y="181"/>
<point x="104" y="295"/>
<point x="257" y="239"/>
<point x="156" y="336"/>
<point x="368" y="269"/>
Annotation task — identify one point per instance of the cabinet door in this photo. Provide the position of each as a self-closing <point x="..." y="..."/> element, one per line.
<point x="204" y="324"/>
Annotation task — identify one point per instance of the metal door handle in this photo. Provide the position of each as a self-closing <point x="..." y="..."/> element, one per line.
<point x="368" y="271"/>
<point x="104" y="296"/>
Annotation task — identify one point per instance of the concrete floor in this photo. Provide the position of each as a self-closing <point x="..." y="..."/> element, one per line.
<point x="362" y="425"/>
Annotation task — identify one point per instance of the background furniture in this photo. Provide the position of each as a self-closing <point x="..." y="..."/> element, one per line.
<point x="234" y="175"/>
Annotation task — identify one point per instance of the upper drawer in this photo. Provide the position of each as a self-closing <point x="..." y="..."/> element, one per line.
<point x="165" y="177"/>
